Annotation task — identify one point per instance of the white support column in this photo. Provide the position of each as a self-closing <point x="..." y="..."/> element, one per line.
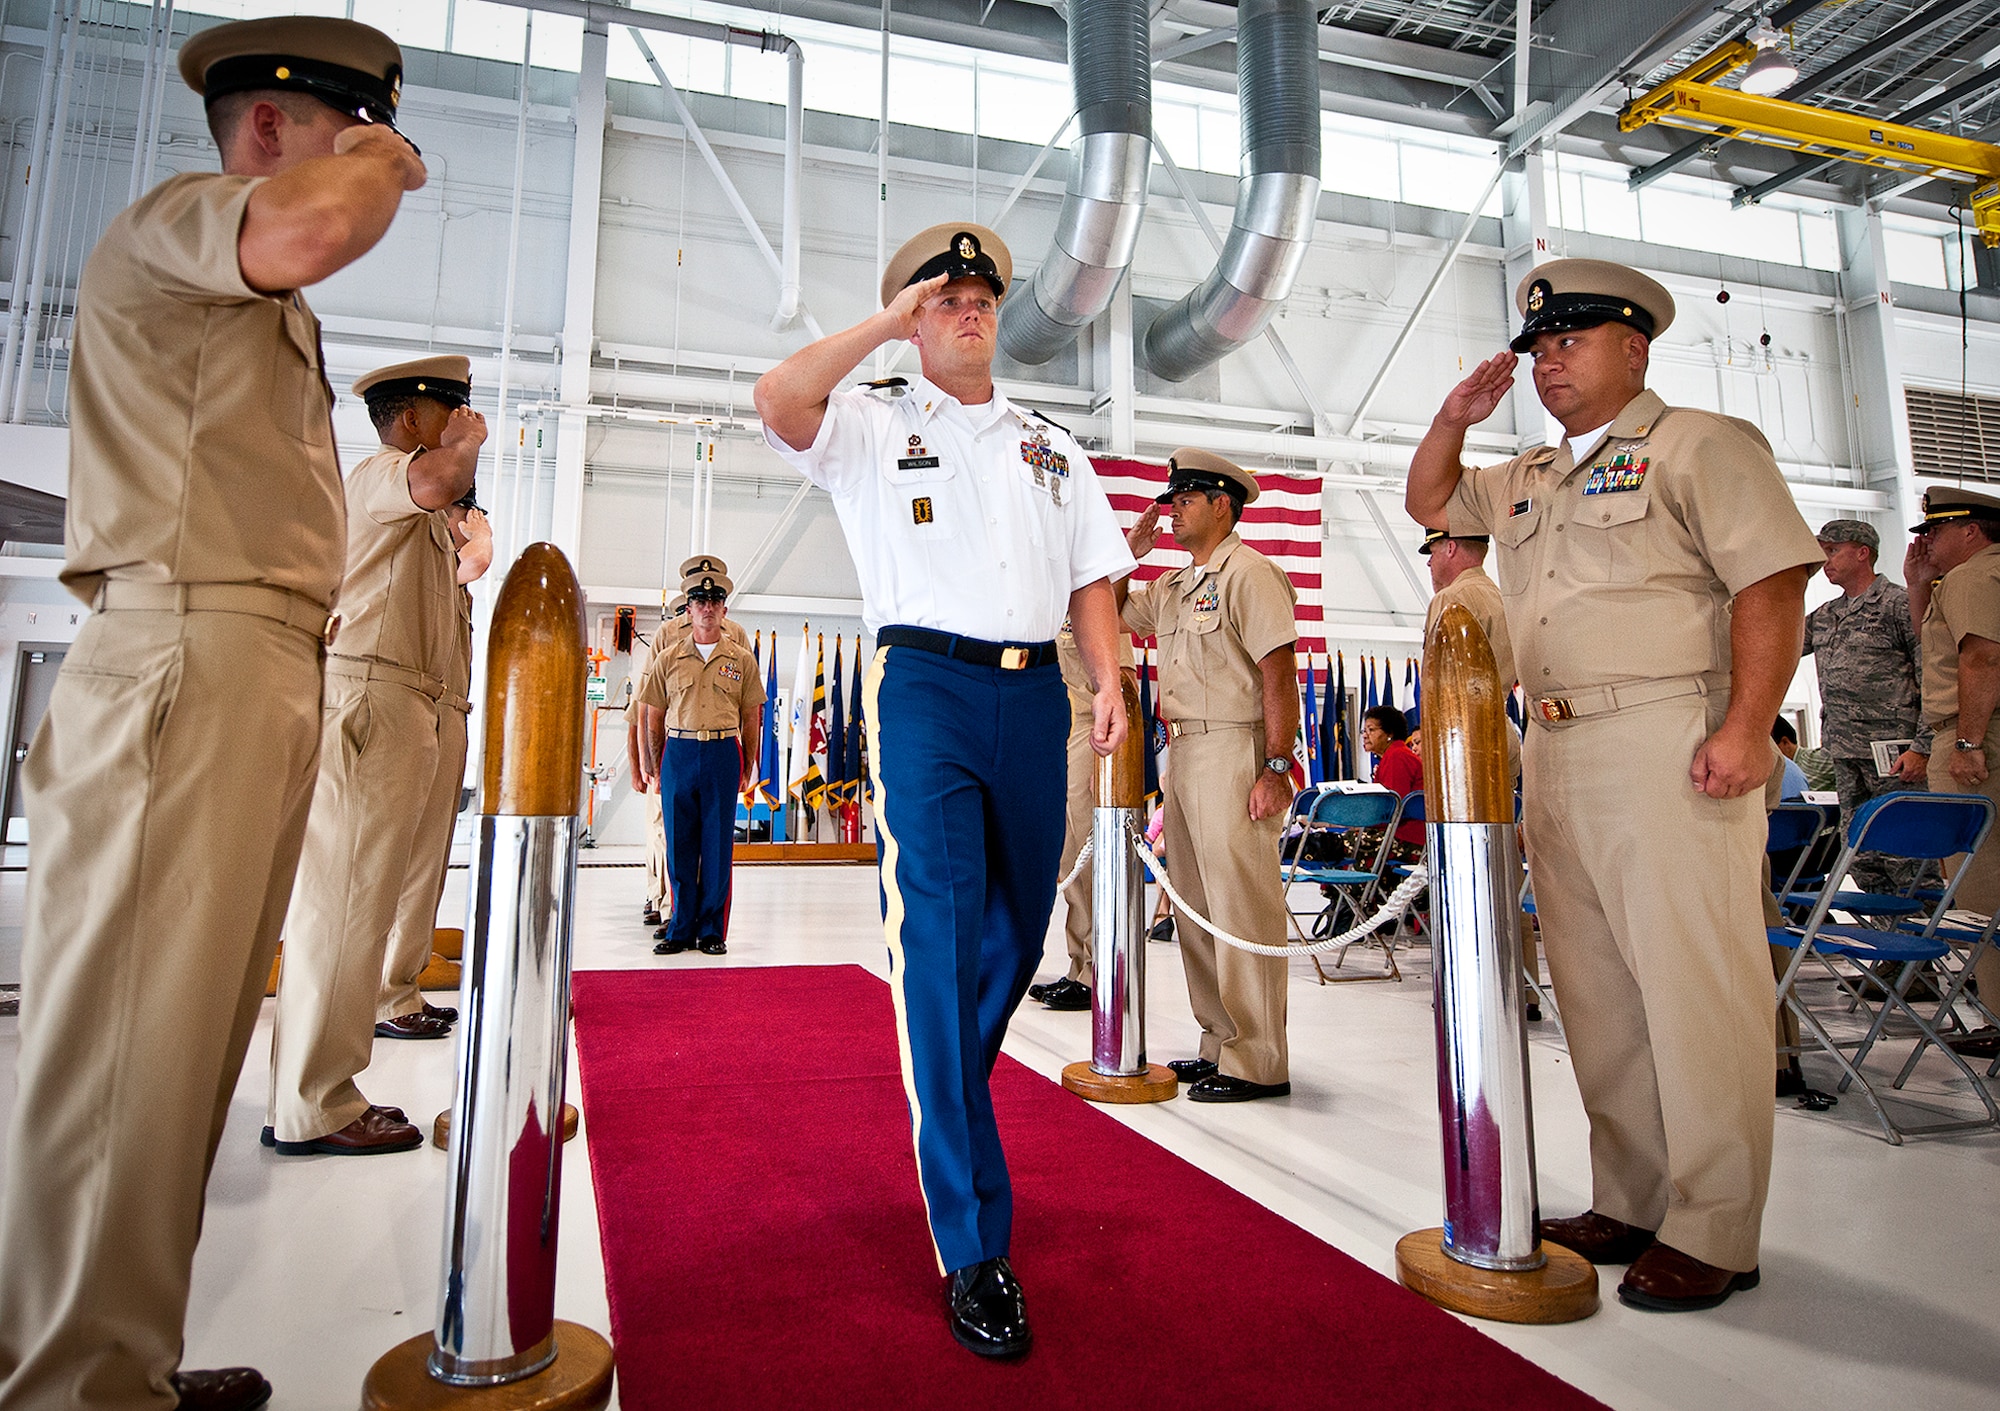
<point x="1876" y="377"/>
<point x="1524" y="229"/>
<point x="580" y="300"/>
<point x="1116" y="382"/>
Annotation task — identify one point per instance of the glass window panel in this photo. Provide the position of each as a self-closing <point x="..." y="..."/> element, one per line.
<point x="758" y="76"/>
<point x="1608" y="208"/>
<point x="1819" y="237"/>
<point x="923" y="93"/>
<point x="1221" y="140"/>
<point x="1020" y="107"/>
<point x="840" y="79"/>
<point x="558" y="42"/>
<point x="1359" y="165"/>
<point x="622" y="59"/>
<point x="1914" y="258"/>
<point x="415" y="24"/>
<point x="1437" y="176"/>
<point x="488" y="31"/>
<point x="1177" y="127"/>
<point x="263" y="9"/>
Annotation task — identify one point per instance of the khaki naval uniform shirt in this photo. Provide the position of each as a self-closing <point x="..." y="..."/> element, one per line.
<point x="702" y="695"/>
<point x="167" y="788"/>
<point x="1082" y="796"/>
<point x="1617" y="574"/>
<point x="399" y="604"/>
<point x="1215" y="624"/>
<point x="1965" y="603"/>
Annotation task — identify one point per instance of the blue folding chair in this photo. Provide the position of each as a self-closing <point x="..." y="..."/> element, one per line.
<point x="1333" y="810"/>
<point x="1926" y="827"/>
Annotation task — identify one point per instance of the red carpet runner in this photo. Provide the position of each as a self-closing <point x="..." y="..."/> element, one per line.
<point x="764" y="1239"/>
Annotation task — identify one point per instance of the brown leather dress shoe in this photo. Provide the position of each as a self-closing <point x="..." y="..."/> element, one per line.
<point x="441" y="1011"/>
<point x="1664" y="1280"/>
<point x="373" y="1133"/>
<point x="415" y="1025"/>
<point x="225" y="1389"/>
<point x="1598" y="1238"/>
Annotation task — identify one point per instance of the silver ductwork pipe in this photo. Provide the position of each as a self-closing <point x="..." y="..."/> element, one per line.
<point x="1111" y="75"/>
<point x="1277" y="73"/>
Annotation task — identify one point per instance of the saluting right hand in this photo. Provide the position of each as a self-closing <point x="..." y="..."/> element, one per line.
<point x="464" y="427"/>
<point x="380" y="140"/>
<point x="1474" y="399"/>
<point x="902" y="310"/>
<point x="1917" y="565"/>
<point x="1144" y="533"/>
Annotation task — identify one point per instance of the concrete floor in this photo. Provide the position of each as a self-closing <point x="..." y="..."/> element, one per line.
<point x="1880" y="1263"/>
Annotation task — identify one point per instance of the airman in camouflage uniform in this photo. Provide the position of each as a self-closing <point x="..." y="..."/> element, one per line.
<point x="1869" y="662"/>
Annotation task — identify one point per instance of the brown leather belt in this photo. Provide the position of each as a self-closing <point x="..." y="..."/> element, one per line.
<point x="254" y="599"/>
<point x="1602" y="700"/>
<point x="354" y="668"/>
<point x="703" y="735"/>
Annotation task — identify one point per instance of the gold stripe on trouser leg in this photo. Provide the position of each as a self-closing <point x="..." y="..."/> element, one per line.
<point x="892" y="928"/>
<point x="378" y="755"/>
<point x="1235" y="863"/>
<point x="1648" y="893"/>
<point x="1079" y="816"/>
<point x="414" y="935"/>
<point x="166" y="794"/>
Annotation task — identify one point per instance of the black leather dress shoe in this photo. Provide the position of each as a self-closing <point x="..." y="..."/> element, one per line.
<point x="417" y="1025"/>
<point x="225" y="1389"/>
<point x="1598" y="1238"/>
<point x="1065" y="994"/>
<point x="1163" y="930"/>
<point x="712" y="945"/>
<point x="441" y="1011"/>
<point x="666" y="946"/>
<point x="1192" y="1070"/>
<point x="1220" y="1087"/>
<point x="987" y="1313"/>
<point x="1035" y="992"/>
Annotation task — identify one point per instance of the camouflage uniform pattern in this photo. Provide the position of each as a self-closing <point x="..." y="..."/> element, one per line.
<point x="1870" y="672"/>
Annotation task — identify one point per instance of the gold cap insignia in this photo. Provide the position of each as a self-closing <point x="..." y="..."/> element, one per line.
<point x="1538" y="294"/>
<point x="967" y="247"/>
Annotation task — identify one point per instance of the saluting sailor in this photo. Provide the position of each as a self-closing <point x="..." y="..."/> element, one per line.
<point x="975" y="526"/>
<point x="1653" y="566"/>
<point x="168" y="786"/>
<point x="382" y="729"/>
<point x="701" y="714"/>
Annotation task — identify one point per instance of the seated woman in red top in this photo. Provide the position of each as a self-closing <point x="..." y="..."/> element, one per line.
<point x="1385" y="734"/>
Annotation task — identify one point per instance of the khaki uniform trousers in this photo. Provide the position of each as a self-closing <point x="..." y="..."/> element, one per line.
<point x="166" y="795"/>
<point x="1226" y="867"/>
<point x="1979" y="890"/>
<point x="658" y="892"/>
<point x="1648" y="893"/>
<point x="1078" y="822"/>
<point x="378" y="756"/>
<point x="414" y="935"/>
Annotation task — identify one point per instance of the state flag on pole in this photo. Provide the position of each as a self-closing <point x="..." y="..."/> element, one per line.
<point x="839" y="786"/>
<point x="768" y="755"/>
<point x="812" y="786"/>
<point x="1309" y="723"/>
<point x="1388" y="682"/>
<point x="798" y="740"/>
<point x="1151" y="726"/>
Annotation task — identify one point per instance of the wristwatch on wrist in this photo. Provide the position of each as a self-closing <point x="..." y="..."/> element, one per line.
<point x="1967" y="746"/>
<point x="1278" y="764"/>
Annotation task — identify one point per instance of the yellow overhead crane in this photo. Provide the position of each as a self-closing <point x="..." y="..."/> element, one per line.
<point x="1692" y="100"/>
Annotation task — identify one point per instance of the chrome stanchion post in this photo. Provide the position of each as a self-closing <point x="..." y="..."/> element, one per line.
<point x="1486" y="1259"/>
<point x="1117" y="1070"/>
<point x="496" y="1336"/>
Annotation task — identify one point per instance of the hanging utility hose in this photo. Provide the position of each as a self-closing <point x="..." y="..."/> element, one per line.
<point x="1397" y="903"/>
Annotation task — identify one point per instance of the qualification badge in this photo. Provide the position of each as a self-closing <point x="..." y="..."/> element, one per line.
<point x="920" y="510"/>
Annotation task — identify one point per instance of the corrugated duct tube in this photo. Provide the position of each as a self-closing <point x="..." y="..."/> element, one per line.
<point x="1111" y="74"/>
<point x="1277" y="73"/>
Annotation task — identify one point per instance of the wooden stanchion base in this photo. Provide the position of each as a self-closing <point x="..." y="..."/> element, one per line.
<point x="1156" y="1084"/>
<point x="448" y="941"/>
<point x="440" y="974"/>
<point x="578" y="1380"/>
<point x="1564" y="1290"/>
<point x="441" y="1129"/>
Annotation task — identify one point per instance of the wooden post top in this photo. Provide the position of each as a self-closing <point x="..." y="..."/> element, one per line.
<point x="536" y="673"/>
<point x="1466" y="775"/>
<point x="1121" y="775"/>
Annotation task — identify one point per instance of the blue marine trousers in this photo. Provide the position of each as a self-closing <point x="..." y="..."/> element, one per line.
<point x="699" y="782"/>
<point x="969" y="765"/>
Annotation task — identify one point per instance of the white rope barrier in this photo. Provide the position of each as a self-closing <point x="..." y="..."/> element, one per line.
<point x="1082" y="861"/>
<point x="1397" y="903"/>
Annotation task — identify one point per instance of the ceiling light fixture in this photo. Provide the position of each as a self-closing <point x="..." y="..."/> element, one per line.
<point x="1773" y="70"/>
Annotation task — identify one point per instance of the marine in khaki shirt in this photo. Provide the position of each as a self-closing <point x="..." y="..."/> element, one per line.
<point x="1229" y="690"/>
<point x="382" y="730"/>
<point x="1653" y="568"/>
<point x="1953" y="569"/>
<point x="701" y="714"/>
<point x="167" y="787"/>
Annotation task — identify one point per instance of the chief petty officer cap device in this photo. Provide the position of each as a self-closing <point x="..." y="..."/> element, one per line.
<point x="955" y="250"/>
<point x="1563" y="295"/>
<point x="352" y="68"/>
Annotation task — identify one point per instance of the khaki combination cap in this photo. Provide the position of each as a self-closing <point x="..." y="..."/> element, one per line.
<point x="709" y="587"/>
<point x="1434" y="537"/>
<point x="1942" y="507"/>
<point x="679" y="606"/>
<point x="956" y="249"/>
<point x="445" y="379"/>
<point x="352" y="68"/>
<point x="1191" y="468"/>
<point x="704" y="563"/>
<point x="1849" y="531"/>
<point x="1560" y="295"/>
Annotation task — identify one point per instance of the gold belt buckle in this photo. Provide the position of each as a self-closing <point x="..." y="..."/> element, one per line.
<point x="1553" y="708"/>
<point x="1173" y="729"/>
<point x="1013" y="658"/>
